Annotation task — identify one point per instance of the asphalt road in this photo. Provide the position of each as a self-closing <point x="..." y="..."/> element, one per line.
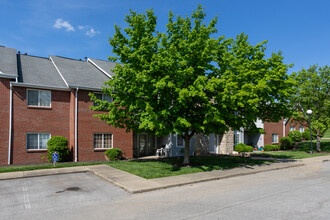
<point x="295" y="193"/>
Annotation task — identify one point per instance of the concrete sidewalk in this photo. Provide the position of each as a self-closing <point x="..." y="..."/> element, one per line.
<point x="135" y="184"/>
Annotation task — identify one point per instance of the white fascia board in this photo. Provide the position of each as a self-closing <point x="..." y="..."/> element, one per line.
<point x="27" y="85"/>
<point x="102" y="70"/>
<point x="66" y="83"/>
<point x="85" y="88"/>
<point x="3" y="75"/>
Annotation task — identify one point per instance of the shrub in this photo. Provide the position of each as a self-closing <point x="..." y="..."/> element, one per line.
<point x="243" y="148"/>
<point x="269" y="147"/>
<point x="295" y="136"/>
<point x="114" y="154"/>
<point x="239" y="147"/>
<point x="60" y="145"/>
<point x="286" y="143"/>
<point x="306" y="135"/>
<point x="248" y="148"/>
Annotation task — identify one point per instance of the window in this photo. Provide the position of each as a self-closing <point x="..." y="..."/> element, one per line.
<point x="274" y="138"/>
<point x="301" y="129"/>
<point x="102" y="141"/>
<point x="102" y="97"/>
<point x="236" y="137"/>
<point x="292" y="128"/>
<point x="40" y="98"/>
<point x="37" y="141"/>
<point x="179" y="140"/>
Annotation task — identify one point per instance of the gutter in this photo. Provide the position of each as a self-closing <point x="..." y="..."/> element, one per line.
<point x="27" y="85"/>
<point x="85" y="88"/>
<point x="3" y="75"/>
<point x="76" y="127"/>
<point x="10" y="122"/>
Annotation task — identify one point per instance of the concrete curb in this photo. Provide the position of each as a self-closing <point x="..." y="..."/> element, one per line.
<point x="208" y="179"/>
<point x="134" y="184"/>
<point x="40" y="173"/>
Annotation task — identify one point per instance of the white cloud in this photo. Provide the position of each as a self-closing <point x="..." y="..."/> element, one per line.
<point x="59" y="23"/>
<point x="90" y="31"/>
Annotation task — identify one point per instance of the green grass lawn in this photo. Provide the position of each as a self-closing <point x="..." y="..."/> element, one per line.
<point x="44" y="166"/>
<point x="303" y="151"/>
<point x="327" y="134"/>
<point x="172" y="166"/>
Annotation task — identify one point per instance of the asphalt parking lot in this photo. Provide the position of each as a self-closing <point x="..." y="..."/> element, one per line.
<point x="58" y="195"/>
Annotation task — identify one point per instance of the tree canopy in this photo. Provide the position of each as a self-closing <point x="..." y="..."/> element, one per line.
<point x="188" y="81"/>
<point x="312" y="91"/>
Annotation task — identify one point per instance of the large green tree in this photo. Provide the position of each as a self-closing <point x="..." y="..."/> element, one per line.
<point x="313" y="92"/>
<point x="188" y="81"/>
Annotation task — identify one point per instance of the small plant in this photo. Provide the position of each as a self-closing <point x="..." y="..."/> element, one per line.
<point x="243" y="148"/>
<point x="269" y="147"/>
<point x="114" y="154"/>
<point x="59" y="145"/>
<point x="295" y="136"/>
<point x="286" y="143"/>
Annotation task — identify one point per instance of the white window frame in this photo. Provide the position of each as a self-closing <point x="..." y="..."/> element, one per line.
<point x="103" y="141"/>
<point x="183" y="142"/>
<point x="301" y="129"/>
<point x="292" y="128"/>
<point x="27" y="147"/>
<point x="102" y="99"/>
<point x="27" y="98"/>
<point x="273" y="135"/>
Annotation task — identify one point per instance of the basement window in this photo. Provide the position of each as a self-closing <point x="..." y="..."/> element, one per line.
<point x="37" y="141"/>
<point x="38" y="98"/>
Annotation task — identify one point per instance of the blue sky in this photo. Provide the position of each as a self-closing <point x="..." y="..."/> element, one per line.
<point x="80" y="28"/>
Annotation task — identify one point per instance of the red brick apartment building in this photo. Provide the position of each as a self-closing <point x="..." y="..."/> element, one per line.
<point x="44" y="97"/>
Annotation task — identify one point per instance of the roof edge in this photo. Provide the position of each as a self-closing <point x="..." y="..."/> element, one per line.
<point x="28" y="85"/>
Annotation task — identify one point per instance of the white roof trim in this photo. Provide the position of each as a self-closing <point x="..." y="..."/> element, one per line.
<point x="3" y="75"/>
<point x="85" y="88"/>
<point x="27" y="85"/>
<point x="102" y="70"/>
<point x="59" y="72"/>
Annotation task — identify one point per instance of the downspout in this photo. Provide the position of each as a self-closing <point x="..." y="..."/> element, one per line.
<point x="10" y="122"/>
<point x="284" y="123"/>
<point x="76" y="127"/>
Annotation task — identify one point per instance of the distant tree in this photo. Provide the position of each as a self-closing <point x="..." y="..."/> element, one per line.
<point x="312" y="91"/>
<point x="187" y="82"/>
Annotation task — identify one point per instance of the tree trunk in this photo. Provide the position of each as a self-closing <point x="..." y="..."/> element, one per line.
<point x="186" y="149"/>
<point x="318" y="143"/>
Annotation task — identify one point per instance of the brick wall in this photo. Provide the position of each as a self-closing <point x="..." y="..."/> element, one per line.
<point x="54" y="120"/>
<point x="272" y="128"/>
<point x="277" y="128"/>
<point x="88" y="125"/>
<point x="4" y="119"/>
<point x="58" y="121"/>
